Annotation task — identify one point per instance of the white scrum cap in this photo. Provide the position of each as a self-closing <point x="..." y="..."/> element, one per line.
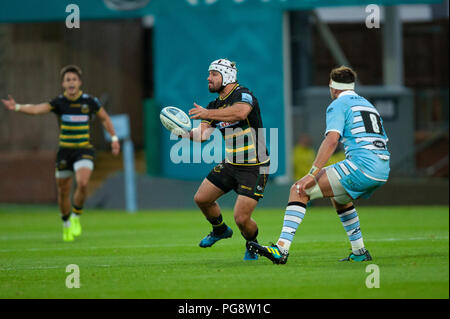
<point x="226" y="68"/>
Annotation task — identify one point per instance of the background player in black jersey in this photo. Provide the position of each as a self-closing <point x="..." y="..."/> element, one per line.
<point x="75" y="111"/>
<point x="237" y="115"/>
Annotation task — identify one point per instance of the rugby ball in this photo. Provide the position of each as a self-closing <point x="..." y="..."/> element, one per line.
<point x="175" y="120"/>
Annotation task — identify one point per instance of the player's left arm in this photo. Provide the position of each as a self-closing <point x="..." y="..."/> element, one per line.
<point x="326" y="149"/>
<point x="237" y="112"/>
<point x="107" y="124"/>
<point x="335" y="122"/>
<point x="335" y="119"/>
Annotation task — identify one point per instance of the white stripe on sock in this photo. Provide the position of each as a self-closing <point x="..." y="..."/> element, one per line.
<point x="294" y="219"/>
<point x="347" y="213"/>
<point x="350" y="221"/>
<point x="296" y="208"/>
<point x="288" y="230"/>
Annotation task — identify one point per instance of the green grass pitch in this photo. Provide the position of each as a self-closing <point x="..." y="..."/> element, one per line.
<point x="155" y="254"/>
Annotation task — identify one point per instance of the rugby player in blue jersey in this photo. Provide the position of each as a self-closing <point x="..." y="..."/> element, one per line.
<point x="355" y="122"/>
<point x="75" y="111"/>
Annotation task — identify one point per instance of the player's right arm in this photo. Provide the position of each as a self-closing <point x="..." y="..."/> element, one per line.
<point x="33" y="109"/>
<point x="201" y="133"/>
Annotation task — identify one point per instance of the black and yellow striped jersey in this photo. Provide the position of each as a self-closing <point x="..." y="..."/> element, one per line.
<point x="75" y="117"/>
<point x="244" y="140"/>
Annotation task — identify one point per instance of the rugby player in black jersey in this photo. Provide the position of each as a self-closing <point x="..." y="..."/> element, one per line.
<point x="236" y="114"/>
<point x="75" y="111"/>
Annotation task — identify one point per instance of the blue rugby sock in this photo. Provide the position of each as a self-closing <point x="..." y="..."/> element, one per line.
<point x="295" y="212"/>
<point x="350" y="221"/>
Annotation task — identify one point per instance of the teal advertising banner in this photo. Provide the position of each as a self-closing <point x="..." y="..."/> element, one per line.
<point x="50" y="10"/>
<point x="187" y="44"/>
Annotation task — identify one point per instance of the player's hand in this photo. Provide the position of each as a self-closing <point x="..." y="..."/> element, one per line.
<point x="10" y="104"/>
<point x="115" y="146"/>
<point x="198" y="112"/>
<point x="304" y="183"/>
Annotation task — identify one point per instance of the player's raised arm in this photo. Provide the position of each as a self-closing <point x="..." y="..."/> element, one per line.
<point x="236" y="112"/>
<point x="107" y="124"/>
<point x="32" y="109"/>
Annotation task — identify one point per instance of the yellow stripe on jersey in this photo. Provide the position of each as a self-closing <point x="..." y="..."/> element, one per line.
<point x="73" y="136"/>
<point x="247" y="164"/>
<point x="239" y="133"/>
<point x="74" y="128"/>
<point x="240" y="149"/>
<point x="75" y="145"/>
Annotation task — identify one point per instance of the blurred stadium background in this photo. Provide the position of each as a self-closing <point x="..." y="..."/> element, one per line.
<point x="138" y="56"/>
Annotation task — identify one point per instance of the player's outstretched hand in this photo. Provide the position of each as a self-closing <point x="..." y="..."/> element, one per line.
<point x="198" y="112"/>
<point x="115" y="146"/>
<point x="304" y="183"/>
<point x="10" y="104"/>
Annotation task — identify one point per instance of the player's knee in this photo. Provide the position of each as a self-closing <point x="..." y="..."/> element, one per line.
<point x="63" y="188"/>
<point x="241" y="220"/>
<point x="82" y="184"/>
<point x="201" y="200"/>
<point x="293" y="189"/>
<point x="198" y="199"/>
<point x="295" y="194"/>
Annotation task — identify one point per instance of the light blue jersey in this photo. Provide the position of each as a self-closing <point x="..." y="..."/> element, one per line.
<point x="362" y="133"/>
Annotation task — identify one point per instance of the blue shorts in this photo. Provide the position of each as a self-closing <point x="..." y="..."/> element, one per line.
<point x="355" y="182"/>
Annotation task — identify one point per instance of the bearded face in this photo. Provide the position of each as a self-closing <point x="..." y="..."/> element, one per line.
<point x="215" y="82"/>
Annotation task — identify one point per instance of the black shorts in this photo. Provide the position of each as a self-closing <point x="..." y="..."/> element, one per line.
<point x="248" y="181"/>
<point x="66" y="157"/>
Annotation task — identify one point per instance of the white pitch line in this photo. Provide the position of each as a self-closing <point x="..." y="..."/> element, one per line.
<point x="69" y="247"/>
<point x="73" y="247"/>
<point x="48" y="235"/>
<point x="44" y="267"/>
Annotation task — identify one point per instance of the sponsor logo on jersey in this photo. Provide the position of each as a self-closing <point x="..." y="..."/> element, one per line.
<point x="379" y="144"/>
<point x="222" y="125"/>
<point x="75" y="118"/>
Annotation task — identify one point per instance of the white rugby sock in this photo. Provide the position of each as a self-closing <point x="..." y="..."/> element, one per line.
<point x="295" y="212"/>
